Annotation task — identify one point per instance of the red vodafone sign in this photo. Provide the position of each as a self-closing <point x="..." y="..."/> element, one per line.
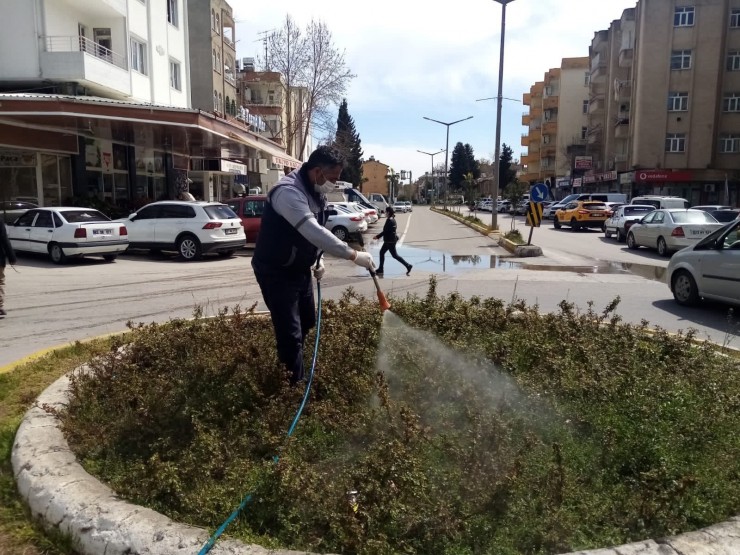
<point x="651" y="176"/>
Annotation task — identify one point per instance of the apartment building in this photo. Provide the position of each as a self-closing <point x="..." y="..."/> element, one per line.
<point x="375" y="177"/>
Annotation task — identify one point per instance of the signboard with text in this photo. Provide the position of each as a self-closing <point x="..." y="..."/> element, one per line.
<point x="583" y="163"/>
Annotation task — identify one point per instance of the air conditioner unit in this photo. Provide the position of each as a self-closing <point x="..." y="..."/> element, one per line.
<point x="709" y="187"/>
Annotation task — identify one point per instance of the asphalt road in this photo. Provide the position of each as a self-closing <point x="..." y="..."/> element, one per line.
<point x="52" y="305"/>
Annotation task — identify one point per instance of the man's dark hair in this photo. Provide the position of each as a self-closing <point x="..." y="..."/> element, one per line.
<point x="325" y="156"/>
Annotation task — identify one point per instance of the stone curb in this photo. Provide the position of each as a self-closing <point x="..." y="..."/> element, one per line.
<point x="63" y="496"/>
<point x="521" y="251"/>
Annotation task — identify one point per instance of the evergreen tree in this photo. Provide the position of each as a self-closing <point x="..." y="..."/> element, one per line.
<point x="463" y="162"/>
<point x="507" y="172"/>
<point x="347" y="141"/>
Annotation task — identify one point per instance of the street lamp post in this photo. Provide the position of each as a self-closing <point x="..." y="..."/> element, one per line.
<point x="432" y="174"/>
<point x="447" y="147"/>
<point x="497" y="155"/>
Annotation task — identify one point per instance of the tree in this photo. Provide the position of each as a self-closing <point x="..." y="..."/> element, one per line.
<point x="507" y="173"/>
<point x="315" y="77"/>
<point x="462" y="162"/>
<point x="347" y="141"/>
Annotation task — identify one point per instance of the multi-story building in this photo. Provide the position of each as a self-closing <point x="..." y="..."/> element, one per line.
<point x="532" y="139"/>
<point x="95" y="102"/>
<point x="375" y="177"/>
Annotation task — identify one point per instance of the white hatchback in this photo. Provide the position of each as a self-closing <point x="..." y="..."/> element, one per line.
<point x="709" y="269"/>
<point x="189" y="228"/>
<point x="344" y="222"/>
<point x="68" y="231"/>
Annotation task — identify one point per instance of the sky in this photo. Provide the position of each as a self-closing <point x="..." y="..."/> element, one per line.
<point x="415" y="58"/>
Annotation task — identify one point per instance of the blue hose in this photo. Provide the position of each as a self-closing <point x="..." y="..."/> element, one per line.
<point x="247" y="498"/>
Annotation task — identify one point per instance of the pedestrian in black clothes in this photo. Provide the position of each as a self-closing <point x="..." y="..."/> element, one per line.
<point x="390" y="238"/>
<point x="6" y="255"/>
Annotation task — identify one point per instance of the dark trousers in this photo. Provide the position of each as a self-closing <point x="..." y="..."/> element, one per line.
<point x="391" y="248"/>
<point x="289" y="298"/>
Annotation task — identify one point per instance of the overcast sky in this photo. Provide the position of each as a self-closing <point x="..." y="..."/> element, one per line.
<point x="417" y="58"/>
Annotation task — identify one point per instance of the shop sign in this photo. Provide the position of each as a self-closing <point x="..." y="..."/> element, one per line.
<point x="583" y="163"/>
<point x="563" y="183"/>
<point x="17" y="158"/>
<point x="626" y="178"/>
<point x="280" y="161"/>
<point x="251" y="119"/>
<point x="233" y="167"/>
<point x="577" y="182"/>
<point x="651" y="176"/>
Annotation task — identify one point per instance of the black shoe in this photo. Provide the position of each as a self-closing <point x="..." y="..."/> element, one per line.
<point x="2" y="313"/>
<point x="379" y="272"/>
<point x="408" y="269"/>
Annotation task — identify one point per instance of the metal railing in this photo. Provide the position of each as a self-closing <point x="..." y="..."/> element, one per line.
<point x="83" y="44"/>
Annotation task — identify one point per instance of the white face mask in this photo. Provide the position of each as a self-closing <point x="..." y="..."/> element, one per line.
<point x="325" y="187"/>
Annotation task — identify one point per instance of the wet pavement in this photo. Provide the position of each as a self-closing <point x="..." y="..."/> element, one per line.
<point x="440" y="262"/>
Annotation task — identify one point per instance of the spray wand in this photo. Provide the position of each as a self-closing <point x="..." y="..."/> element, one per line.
<point x="384" y="304"/>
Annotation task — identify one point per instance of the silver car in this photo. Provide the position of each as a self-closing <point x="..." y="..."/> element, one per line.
<point x="622" y="219"/>
<point x="671" y="229"/>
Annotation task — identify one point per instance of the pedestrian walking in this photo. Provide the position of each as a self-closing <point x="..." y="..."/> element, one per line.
<point x="6" y="256"/>
<point x="291" y="235"/>
<point x="390" y="238"/>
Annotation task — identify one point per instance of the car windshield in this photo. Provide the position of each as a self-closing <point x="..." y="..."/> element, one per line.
<point x="84" y="216"/>
<point x="634" y="210"/>
<point x="219" y="212"/>
<point x="594" y="206"/>
<point x="691" y="217"/>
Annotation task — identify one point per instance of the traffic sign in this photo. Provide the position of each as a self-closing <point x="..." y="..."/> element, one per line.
<point x="539" y="192"/>
<point x="534" y="214"/>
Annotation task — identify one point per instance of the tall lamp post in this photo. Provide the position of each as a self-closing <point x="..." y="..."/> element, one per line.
<point x="432" y="174"/>
<point x="497" y="155"/>
<point x="447" y="146"/>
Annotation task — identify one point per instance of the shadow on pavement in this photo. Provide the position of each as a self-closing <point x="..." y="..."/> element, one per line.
<point x="717" y="316"/>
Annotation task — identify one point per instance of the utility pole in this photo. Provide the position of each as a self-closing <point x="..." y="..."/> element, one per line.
<point x="447" y="149"/>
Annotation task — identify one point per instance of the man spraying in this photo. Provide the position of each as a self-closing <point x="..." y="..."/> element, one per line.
<point x="291" y="235"/>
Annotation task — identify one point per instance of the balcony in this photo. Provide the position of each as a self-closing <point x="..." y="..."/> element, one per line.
<point x="524" y="159"/>
<point x="550" y="127"/>
<point x="623" y="90"/>
<point x="526" y="118"/>
<point x="535" y="135"/>
<point x="598" y="66"/>
<point x="526" y="99"/>
<point x="596" y="106"/>
<point x="600" y="41"/>
<point x="79" y="59"/>
<point x="622" y="130"/>
<point x="525" y="140"/>
<point x="548" y="151"/>
<point x="550" y="102"/>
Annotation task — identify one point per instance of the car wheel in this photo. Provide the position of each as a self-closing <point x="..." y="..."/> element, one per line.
<point x="556" y="223"/>
<point x="189" y="247"/>
<point x="109" y="257"/>
<point x="226" y="254"/>
<point x="663" y="248"/>
<point x="620" y="235"/>
<point x="684" y="288"/>
<point x="607" y="233"/>
<point x="56" y="254"/>
<point x="574" y="225"/>
<point x="341" y="233"/>
<point x="631" y="243"/>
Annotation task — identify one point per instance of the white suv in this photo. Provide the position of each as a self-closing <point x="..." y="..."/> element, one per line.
<point x="190" y="228"/>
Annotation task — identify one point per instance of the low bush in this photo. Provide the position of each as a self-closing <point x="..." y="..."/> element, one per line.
<point x="463" y="426"/>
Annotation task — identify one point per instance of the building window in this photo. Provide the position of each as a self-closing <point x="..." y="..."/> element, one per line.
<point x="172" y="12"/>
<point x="731" y="102"/>
<point x="678" y="102"/>
<point x="733" y="60"/>
<point x="586" y="79"/>
<point x="215" y="65"/>
<point x="175" y="79"/>
<point x="215" y="101"/>
<point x="675" y="142"/>
<point x="585" y="107"/>
<point x="218" y="61"/>
<point x="729" y="143"/>
<point x="584" y="133"/>
<point x="683" y="17"/>
<point x="218" y="25"/>
<point x="735" y="18"/>
<point x="681" y="59"/>
<point x="138" y="56"/>
<point x="213" y="19"/>
<point x="220" y="102"/>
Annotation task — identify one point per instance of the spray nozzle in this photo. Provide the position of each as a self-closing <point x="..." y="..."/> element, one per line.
<point x="384" y="304"/>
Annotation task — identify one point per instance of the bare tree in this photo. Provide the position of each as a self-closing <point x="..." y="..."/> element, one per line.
<point x="315" y="77"/>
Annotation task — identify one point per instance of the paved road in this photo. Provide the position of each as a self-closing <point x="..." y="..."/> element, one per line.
<point x="52" y="305"/>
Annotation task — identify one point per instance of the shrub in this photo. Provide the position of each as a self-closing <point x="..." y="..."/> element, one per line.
<point x="464" y="426"/>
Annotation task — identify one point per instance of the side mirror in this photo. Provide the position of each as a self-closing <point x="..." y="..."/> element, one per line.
<point x="132" y="217"/>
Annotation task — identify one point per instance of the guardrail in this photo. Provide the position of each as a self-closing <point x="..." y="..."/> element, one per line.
<point x="83" y="44"/>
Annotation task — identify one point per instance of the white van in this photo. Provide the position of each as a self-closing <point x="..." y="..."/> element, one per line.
<point x="378" y="200"/>
<point x="661" y="202"/>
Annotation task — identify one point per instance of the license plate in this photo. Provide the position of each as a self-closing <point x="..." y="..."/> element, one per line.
<point x="231" y="231"/>
<point x="102" y="232"/>
<point x="700" y="232"/>
<point x="597" y="214"/>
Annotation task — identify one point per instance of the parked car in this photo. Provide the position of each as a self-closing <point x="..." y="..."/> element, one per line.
<point x="580" y="214"/>
<point x="623" y="218"/>
<point x="190" y="228"/>
<point x="370" y="214"/>
<point x="344" y="223"/>
<point x="611" y="207"/>
<point x="11" y="210"/>
<point x="249" y="209"/>
<point x="724" y="216"/>
<point x="708" y="269"/>
<point x="67" y="231"/>
<point x="712" y="207"/>
<point x="409" y="206"/>
<point x="661" y="201"/>
<point x="671" y="229"/>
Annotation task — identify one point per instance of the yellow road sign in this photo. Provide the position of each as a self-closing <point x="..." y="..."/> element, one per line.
<point x="534" y="214"/>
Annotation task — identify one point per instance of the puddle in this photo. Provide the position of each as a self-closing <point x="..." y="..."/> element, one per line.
<point x="440" y="262"/>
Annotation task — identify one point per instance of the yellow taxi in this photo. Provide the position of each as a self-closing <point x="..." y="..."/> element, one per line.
<point x="580" y="214"/>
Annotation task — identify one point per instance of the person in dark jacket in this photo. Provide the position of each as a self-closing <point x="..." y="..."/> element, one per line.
<point x="390" y="238"/>
<point x="291" y="235"/>
<point x="6" y="255"/>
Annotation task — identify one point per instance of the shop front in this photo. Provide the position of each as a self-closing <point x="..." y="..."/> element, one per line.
<point x="38" y="177"/>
